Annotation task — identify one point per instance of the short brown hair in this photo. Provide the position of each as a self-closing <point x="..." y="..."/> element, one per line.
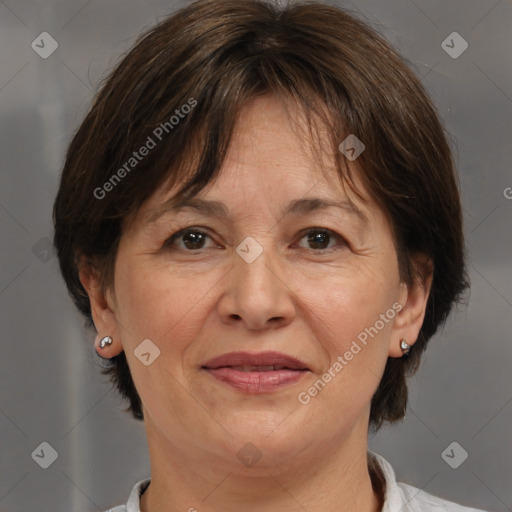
<point x="217" y="55"/>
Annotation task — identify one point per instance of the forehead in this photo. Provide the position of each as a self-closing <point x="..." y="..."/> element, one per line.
<point x="271" y="154"/>
<point x="274" y="129"/>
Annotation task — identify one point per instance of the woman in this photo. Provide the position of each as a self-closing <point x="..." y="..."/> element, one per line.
<point x="261" y="217"/>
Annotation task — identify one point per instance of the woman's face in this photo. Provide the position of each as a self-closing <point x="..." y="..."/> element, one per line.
<point x="308" y="282"/>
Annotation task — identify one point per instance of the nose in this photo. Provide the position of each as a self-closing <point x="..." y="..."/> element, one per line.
<point x="257" y="294"/>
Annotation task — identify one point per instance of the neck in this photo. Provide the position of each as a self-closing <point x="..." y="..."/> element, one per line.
<point x="331" y="481"/>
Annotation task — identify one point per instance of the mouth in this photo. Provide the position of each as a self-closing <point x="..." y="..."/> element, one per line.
<point x="261" y="362"/>
<point x="256" y="373"/>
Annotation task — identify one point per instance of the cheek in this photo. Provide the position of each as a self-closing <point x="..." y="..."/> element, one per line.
<point x="155" y="304"/>
<point x="355" y="338"/>
<point x="158" y="304"/>
<point x="349" y="302"/>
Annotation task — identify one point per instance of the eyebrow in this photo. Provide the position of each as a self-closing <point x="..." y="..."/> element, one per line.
<point x="212" y="208"/>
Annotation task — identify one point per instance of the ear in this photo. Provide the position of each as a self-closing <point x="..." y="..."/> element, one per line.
<point x="413" y="298"/>
<point x="102" y="309"/>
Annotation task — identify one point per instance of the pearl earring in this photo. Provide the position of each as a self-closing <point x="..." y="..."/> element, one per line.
<point x="404" y="346"/>
<point x="107" y="340"/>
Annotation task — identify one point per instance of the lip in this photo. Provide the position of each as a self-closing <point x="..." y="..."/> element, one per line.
<point x="227" y="369"/>
<point x="269" y="358"/>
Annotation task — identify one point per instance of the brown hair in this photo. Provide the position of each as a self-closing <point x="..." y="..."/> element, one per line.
<point x="216" y="55"/>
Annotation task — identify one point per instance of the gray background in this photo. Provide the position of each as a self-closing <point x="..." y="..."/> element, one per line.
<point x="51" y="390"/>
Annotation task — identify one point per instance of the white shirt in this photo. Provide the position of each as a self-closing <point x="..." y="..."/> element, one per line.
<point x="399" y="497"/>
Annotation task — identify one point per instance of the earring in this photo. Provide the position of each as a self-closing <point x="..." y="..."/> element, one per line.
<point x="107" y="340"/>
<point x="404" y="346"/>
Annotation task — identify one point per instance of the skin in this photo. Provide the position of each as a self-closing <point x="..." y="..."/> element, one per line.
<point x="304" y="299"/>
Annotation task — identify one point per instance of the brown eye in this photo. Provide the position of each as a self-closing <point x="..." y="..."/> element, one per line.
<point x="192" y="240"/>
<point x="319" y="239"/>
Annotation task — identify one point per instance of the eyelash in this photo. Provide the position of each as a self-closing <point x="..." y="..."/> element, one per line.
<point x="169" y="242"/>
